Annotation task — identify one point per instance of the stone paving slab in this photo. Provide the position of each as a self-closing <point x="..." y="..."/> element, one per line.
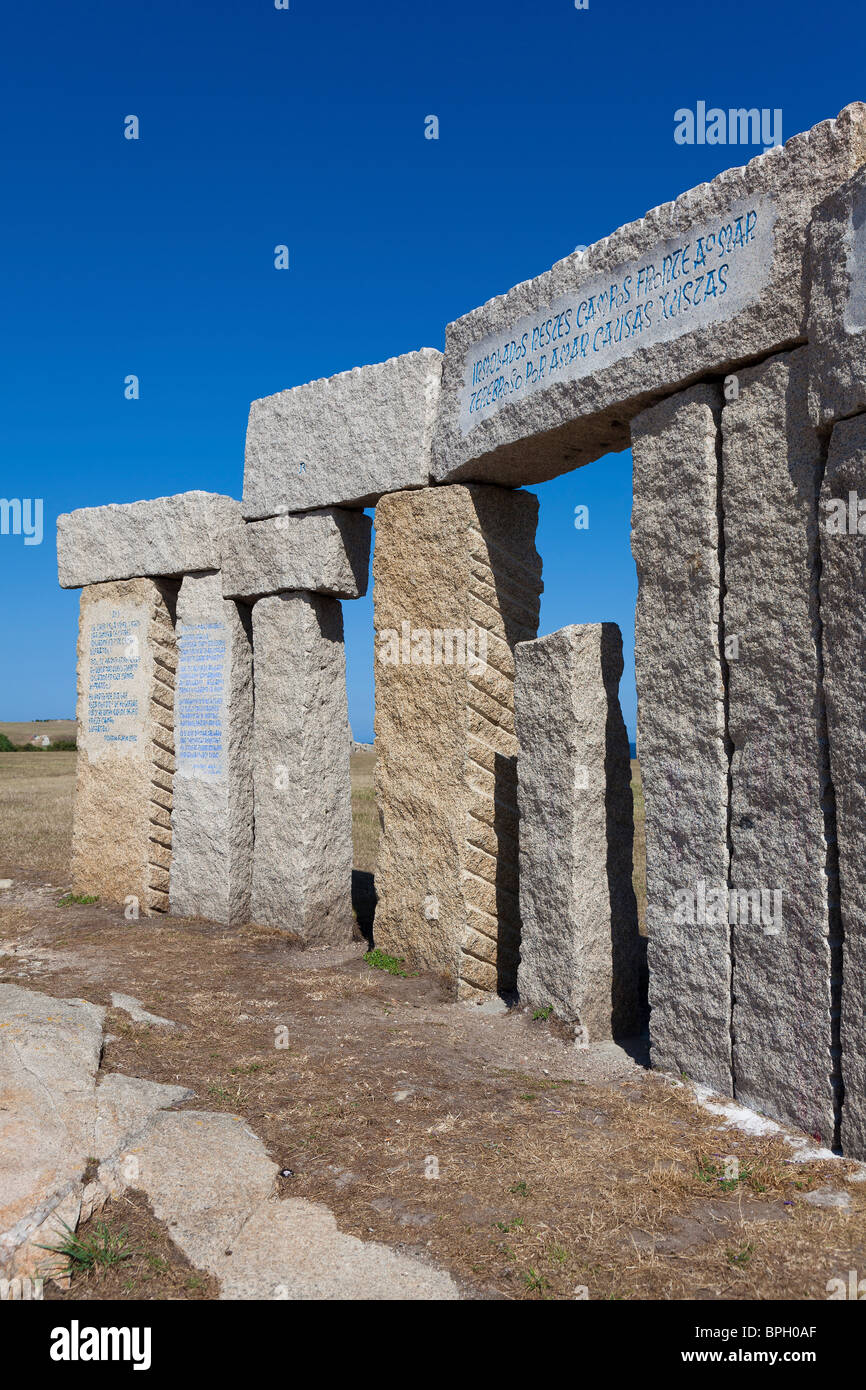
<point x="54" y="1118"/>
<point x="210" y="1179"/>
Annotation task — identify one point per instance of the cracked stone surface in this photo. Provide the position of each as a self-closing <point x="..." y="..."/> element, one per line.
<point x="54" y="1117"/>
<point x="210" y="1180"/>
<point x="207" y="1176"/>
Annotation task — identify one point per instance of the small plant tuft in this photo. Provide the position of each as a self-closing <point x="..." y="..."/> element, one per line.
<point x="85" y="1255"/>
<point x="740" y="1257"/>
<point x="379" y="960"/>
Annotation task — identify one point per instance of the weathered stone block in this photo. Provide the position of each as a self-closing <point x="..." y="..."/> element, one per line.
<point x="325" y="552"/>
<point x="121" y="842"/>
<point x="843" y="611"/>
<point x="681" y="733"/>
<point x="457" y="585"/>
<point x="837" y="313"/>
<point x="212" y="812"/>
<point x="164" y="537"/>
<point x="697" y="286"/>
<point x="343" y="441"/>
<point x="579" y="935"/>
<point x="302" y="863"/>
<point x="779" y="910"/>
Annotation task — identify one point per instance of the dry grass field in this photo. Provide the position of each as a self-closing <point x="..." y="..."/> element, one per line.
<point x="59" y="730"/>
<point x="365" y="817"/>
<point x="36" y="792"/>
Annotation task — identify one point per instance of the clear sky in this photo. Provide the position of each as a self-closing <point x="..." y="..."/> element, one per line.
<point x="261" y="126"/>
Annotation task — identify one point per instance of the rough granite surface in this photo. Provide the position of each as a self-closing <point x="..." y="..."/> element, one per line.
<point x="843" y="611"/>
<point x="302" y="862"/>
<point x="326" y="552"/>
<point x="771" y="466"/>
<point x="168" y="536"/>
<point x="580" y="405"/>
<point x="345" y="440"/>
<point x="681" y="732"/>
<point x="578" y="913"/>
<point x="837" y="311"/>
<point x="456" y="569"/>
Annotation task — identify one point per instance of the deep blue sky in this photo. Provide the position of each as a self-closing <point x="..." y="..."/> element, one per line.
<point x="262" y="126"/>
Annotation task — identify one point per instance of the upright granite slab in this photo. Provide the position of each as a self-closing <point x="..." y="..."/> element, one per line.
<point x="681" y="733"/>
<point x="457" y="585"/>
<point x="212" y="813"/>
<point x="783" y="939"/>
<point x="326" y="552"/>
<point x="837" y="311"/>
<point x="843" y="611"/>
<point x="343" y="441"/>
<point x="121" y="840"/>
<point x="302" y="862"/>
<point x="578" y="913"/>
<point x="548" y="376"/>
<point x="169" y="536"/>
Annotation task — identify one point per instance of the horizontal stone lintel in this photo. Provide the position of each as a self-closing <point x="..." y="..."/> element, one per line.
<point x="548" y="377"/>
<point x="345" y="440"/>
<point x="161" y="538"/>
<point x="324" y="552"/>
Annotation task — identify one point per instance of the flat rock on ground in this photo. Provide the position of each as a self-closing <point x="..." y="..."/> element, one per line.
<point x="206" y="1175"/>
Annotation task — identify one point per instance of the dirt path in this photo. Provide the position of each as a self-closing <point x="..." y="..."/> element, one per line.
<point x="486" y="1143"/>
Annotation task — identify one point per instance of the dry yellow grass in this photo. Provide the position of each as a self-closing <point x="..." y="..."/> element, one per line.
<point x="365" y="816"/>
<point x="62" y="730"/>
<point x="36" y="816"/>
<point x="36" y="792"/>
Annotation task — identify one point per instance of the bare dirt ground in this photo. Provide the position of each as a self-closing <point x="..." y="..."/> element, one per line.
<point x="487" y="1143"/>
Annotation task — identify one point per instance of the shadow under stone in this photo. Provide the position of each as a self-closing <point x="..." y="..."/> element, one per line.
<point x="364" y="901"/>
